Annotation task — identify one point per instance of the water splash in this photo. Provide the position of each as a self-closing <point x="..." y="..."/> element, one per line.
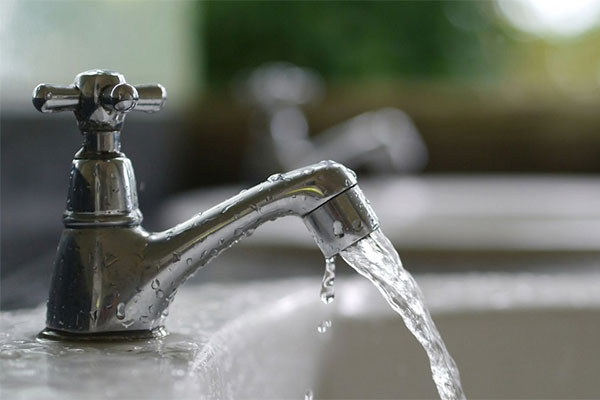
<point x="327" y="288"/>
<point x="375" y="258"/>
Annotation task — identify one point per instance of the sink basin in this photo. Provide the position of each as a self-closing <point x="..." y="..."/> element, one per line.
<point x="513" y="335"/>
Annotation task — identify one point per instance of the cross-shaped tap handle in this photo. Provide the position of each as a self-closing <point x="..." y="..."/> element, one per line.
<point x="100" y="99"/>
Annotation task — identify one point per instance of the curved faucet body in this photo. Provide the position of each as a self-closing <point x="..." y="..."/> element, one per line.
<point x="113" y="278"/>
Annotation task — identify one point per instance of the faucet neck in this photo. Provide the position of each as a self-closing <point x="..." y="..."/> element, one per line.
<point x="102" y="188"/>
<point x="101" y="142"/>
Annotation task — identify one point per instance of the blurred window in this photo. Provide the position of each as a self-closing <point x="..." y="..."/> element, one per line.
<point x="53" y="41"/>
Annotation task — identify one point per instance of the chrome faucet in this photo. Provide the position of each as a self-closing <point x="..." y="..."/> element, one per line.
<point x="113" y="279"/>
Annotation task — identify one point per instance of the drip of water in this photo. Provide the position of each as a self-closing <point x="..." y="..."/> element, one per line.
<point x="375" y="258"/>
<point x="308" y="395"/>
<point x="327" y="289"/>
<point x="324" y="326"/>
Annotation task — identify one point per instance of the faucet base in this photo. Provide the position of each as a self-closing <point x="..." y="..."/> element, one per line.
<point x="52" y="334"/>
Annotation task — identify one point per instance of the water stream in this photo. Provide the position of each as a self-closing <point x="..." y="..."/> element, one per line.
<point x="327" y="288"/>
<point x="375" y="258"/>
<point x="327" y="291"/>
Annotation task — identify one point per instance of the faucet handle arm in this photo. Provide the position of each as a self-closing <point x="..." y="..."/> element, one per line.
<point x="51" y="99"/>
<point x="121" y="97"/>
<point x="125" y="97"/>
<point x="152" y="97"/>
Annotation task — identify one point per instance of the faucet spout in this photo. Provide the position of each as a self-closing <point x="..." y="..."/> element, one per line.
<point x="325" y="195"/>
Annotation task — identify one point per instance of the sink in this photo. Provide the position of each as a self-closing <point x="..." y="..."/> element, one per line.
<point x="206" y="324"/>
<point x="513" y="335"/>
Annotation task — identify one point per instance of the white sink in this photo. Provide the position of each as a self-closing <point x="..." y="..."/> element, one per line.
<point x="512" y="336"/>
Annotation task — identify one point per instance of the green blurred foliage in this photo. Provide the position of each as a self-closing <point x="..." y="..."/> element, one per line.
<point x="352" y="40"/>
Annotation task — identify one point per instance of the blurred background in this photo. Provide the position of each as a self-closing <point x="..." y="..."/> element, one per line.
<point x="474" y="126"/>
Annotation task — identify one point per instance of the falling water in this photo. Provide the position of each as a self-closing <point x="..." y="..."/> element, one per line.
<point x="375" y="258"/>
<point x="327" y="291"/>
<point x="324" y="326"/>
<point x="327" y="288"/>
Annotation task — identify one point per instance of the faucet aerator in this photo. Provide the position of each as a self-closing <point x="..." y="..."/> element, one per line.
<point x="341" y="221"/>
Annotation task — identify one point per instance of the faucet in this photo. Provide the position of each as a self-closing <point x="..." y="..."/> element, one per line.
<point x="383" y="140"/>
<point x="113" y="279"/>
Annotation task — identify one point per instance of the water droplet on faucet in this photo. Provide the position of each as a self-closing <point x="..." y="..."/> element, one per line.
<point x="127" y="323"/>
<point x="189" y="261"/>
<point x="226" y="208"/>
<point x="338" y="229"/>
<point x="155" y="284"/>
<point x="275" y="177"/>
<point x="121" y="311"/>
